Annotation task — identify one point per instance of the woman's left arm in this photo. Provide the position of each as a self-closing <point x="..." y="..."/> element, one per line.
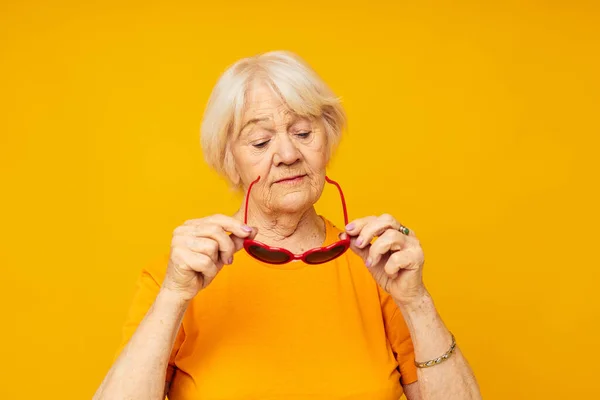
<point x="451" y="379"/>
<point x="395" y="259"/>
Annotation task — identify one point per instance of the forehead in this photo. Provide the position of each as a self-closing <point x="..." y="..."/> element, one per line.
<point x="261" y="99"/>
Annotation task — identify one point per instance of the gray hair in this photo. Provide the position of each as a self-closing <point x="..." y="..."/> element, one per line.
<point x="299" y="86"/>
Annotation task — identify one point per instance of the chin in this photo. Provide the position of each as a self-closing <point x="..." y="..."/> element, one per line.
<point x="293" y="202"/>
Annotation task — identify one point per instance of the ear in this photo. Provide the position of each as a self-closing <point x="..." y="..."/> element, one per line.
<point x="329" y="145"/>
<point x="230" y="168"/>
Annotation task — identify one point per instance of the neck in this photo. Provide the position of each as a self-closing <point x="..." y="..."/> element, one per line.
<point x="296" y="232"/>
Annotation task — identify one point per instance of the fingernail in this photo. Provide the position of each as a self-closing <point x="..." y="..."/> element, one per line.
<point x="246" y="228"/>
<point x="230" y="261"/>
<point x="369" y="262"/>
<point x="349" y="227"/>
<point x="359" y="241"/>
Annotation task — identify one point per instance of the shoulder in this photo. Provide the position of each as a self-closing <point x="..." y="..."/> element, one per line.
<point x="332" y="232"/>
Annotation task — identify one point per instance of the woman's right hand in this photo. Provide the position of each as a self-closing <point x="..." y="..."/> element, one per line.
<point x="199" y="249"/>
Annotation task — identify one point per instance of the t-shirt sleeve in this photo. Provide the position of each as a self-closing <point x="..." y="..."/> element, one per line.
<point x="147" y="288"/>
<point x="399" y="337"/>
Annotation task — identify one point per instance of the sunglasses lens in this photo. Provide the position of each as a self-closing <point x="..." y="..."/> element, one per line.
<point x="320" y="257"/>
<point x="268" y="256"/>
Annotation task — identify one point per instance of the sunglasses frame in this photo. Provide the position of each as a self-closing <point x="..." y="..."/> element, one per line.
<point x="248" y="243"/>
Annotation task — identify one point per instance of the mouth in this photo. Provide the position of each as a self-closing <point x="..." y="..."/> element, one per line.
<point x="291" y="179"/>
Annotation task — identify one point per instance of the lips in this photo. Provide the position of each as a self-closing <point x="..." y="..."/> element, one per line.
<point x="291" y="178"/>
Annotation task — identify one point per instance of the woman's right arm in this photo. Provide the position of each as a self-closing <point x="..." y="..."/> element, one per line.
<point x="199" y="250"/>
<point x="139" y="371"/>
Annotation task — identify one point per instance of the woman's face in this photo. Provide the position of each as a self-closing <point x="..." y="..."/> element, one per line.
<point x="287" y="151"/>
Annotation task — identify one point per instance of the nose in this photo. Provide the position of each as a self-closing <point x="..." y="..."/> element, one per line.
<point x="286" y="151"/>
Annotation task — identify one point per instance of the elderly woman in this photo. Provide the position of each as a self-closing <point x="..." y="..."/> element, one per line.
<point x="268" y="303"/>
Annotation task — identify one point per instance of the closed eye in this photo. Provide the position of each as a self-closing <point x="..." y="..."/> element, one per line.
<point x="303" y="135"/>
<point x="260" y="145"/>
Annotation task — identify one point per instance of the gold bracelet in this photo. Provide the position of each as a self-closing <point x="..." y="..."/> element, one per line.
<point x="440" y="359"/>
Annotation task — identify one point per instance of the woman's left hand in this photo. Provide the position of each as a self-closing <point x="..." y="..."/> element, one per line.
<point x="394" y="259"/>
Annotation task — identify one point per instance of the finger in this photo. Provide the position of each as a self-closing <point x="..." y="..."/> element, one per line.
<point x="390" y="240"/>
<point x="195" y="230"/>
<point x="238" y="242"/>
<point x="228" y="224"/>
<point x="354" y="227"/>
<point x="213" y="232"/>
<point x="200" y="245"/>
<point x="231" y="225"/>
<point x="201" y="263"/>
<point x="376" y="227"/>
<point x="198" y="230"/>
<point x="397" y="261"/>
<point x="229" y="244"/>
<point x="216" y="233"/>
<point x="362" y="253"/>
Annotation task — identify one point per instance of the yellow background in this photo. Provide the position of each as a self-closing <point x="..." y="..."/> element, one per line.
<point x="475" y="124"/>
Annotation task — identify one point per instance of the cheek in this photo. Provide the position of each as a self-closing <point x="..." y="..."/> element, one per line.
<point x="316" y="152"/>
<point x="255" y="170"/>
<point x="316" y="158"/>
<point x="250" y="166"/>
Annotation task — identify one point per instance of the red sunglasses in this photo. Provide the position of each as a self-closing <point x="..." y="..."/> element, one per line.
<point x="278" y="255"/>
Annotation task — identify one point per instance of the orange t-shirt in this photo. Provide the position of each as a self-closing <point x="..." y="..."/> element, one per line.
<point x="293" y="331"/>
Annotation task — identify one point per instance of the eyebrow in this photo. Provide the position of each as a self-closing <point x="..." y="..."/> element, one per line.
<point x="254" y="121"/>
<point x="295" y="118"/>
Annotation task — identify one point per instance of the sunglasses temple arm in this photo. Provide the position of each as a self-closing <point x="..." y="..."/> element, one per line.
<point x="247" y="198"/>
<point x="342" y="197"/>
